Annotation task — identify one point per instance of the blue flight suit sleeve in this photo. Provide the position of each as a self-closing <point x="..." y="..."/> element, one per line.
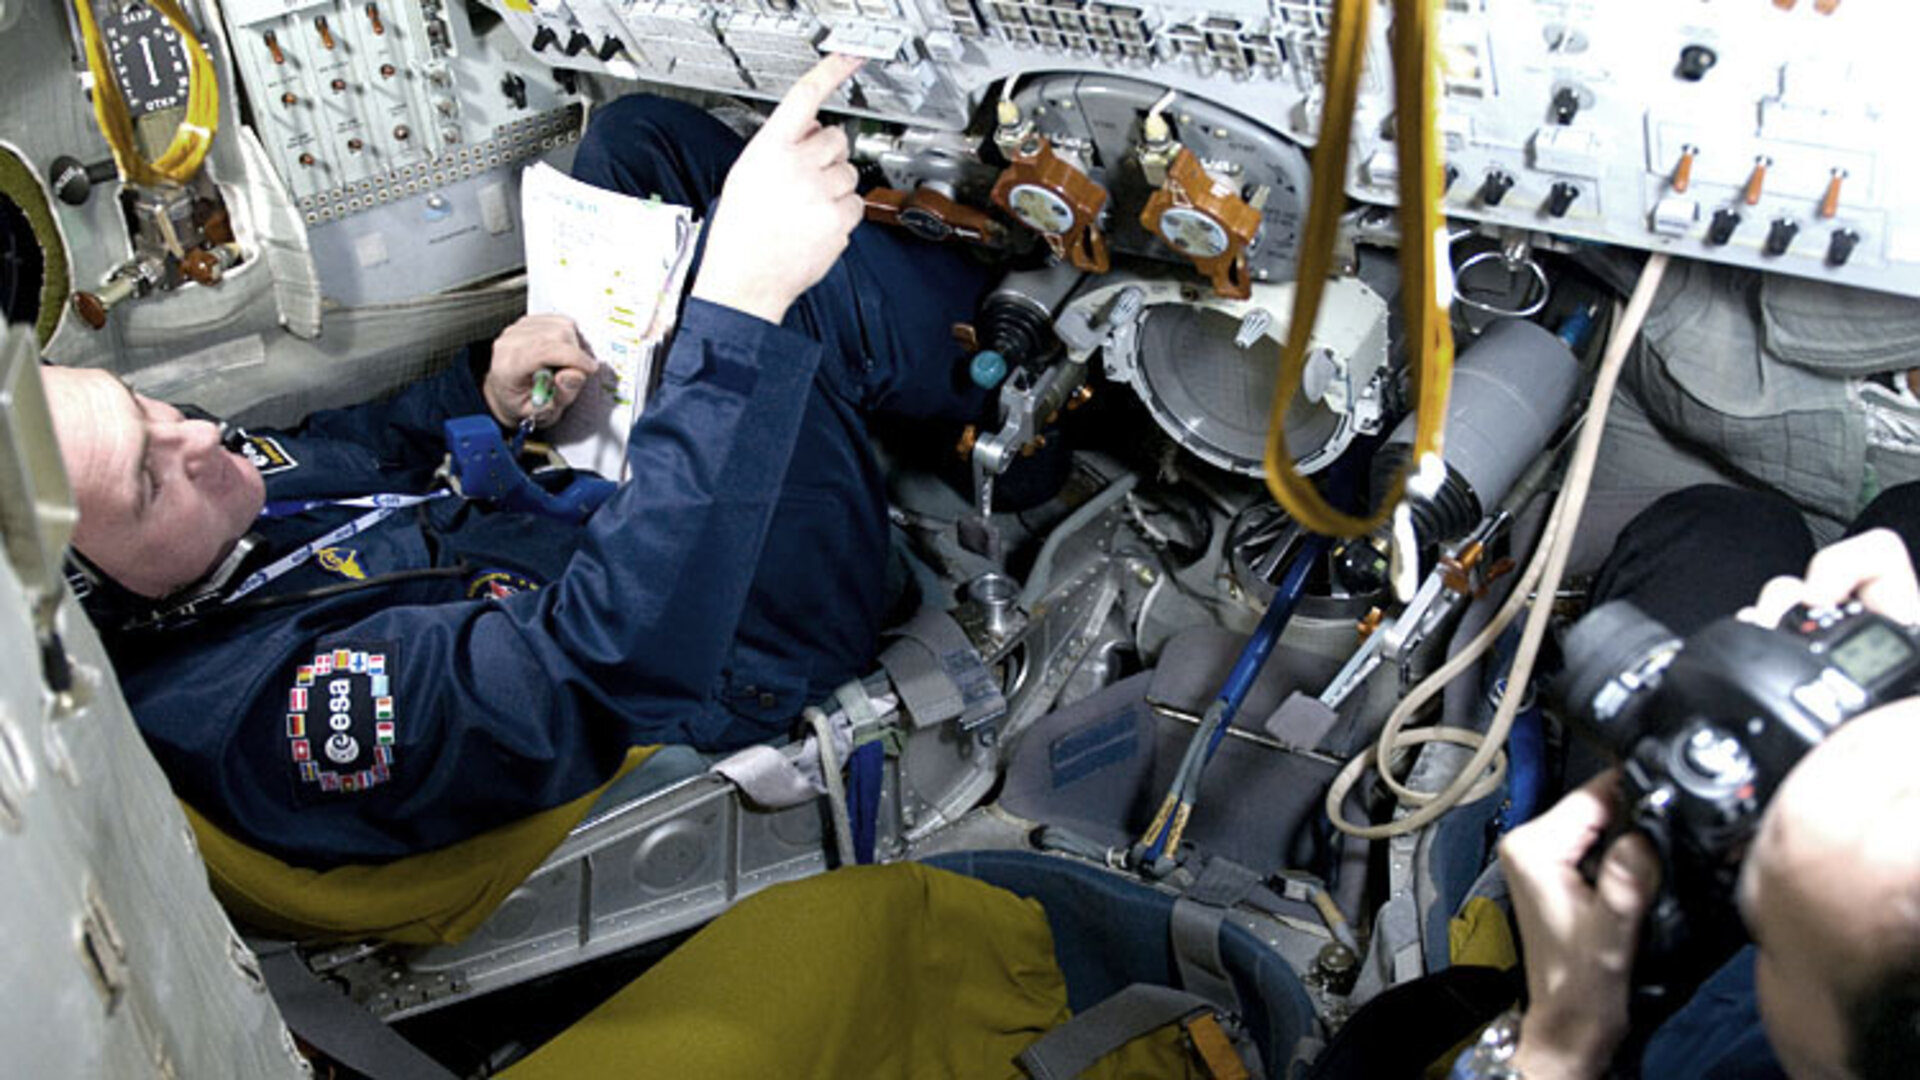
<point x="420" y="725"/>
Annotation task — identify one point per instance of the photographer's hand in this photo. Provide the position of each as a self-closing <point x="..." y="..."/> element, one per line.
<point x="1873" y="568"/>
<point x="1579" y="938"/>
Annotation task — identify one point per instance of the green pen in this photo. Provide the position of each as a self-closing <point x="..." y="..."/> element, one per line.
<point x="540" y="397"/>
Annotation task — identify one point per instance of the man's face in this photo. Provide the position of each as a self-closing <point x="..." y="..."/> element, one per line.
<point x="1829" y="888"/>
<point x="161" y="502"/>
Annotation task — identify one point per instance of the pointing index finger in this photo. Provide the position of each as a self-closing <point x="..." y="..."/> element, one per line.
<point x="803" y="100"/>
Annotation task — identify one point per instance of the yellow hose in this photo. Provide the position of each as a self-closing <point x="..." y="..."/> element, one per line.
<point x="192" y="138"/>
<point x="1423" y="244"/>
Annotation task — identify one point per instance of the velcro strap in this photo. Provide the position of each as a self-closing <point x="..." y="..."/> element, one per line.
<point x="1195" y="929"/>
<point x="327" y="1020"/>
<point x="1073" y="1047"/>
<point x="940" y="675"/>
<point x="485" y="469"/>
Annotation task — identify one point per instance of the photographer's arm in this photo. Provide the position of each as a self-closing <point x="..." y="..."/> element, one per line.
<point x="1578" y="939"/>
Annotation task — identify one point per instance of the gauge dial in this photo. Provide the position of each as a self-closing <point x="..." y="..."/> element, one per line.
<point x="148" y="58"/>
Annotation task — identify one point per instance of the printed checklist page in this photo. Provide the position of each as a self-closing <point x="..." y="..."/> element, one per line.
<point x="615" y="265"/>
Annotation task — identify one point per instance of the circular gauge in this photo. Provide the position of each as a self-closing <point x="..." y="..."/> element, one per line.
<point x="1193" y="233"/>
<point x="148" y="58"/>
<point x="1040" y="209"/>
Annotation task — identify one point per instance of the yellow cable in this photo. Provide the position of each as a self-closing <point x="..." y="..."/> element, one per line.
<point x="192" y="138"/>
<point x="1422" y="244"/>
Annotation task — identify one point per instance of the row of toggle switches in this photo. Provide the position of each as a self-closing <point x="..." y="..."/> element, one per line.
<point x="1674" y="215"/>
<point x="577" y="42"/>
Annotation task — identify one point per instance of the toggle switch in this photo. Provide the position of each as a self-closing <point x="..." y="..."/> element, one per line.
<point x="1560" y="197"/>
<point x="273" y="46"/>
<point x="1757" y="180"/>
<point x="1721" y="229"/>
<point x="1495" y="187"/>
<point x="326" y="32"/>
<point x="373" y="17"/>
<point x="1683" y="171"/>
<point x="1695" y="62"/>
<point x="1780" y="236"/>
<point x="1566" y="105"/>
<point x="1830" y="203"/>
<point x="1840" y="246"/>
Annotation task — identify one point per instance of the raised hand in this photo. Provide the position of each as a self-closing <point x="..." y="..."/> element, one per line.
<point x="788" y="205"/>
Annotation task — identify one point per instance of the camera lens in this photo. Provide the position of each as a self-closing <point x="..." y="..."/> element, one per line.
<point x="1614" y="659"/>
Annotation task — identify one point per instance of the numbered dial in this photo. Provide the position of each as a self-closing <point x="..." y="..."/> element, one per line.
<point x="148" y="58"/>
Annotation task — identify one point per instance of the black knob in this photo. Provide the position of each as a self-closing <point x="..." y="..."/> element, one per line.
<point x="1724" y="222"/>
<point x="544" y="38"/>
<point x="1450" y="176"/>
<point x="1695" y="62"/>
<point x="73" y="182"/>
<point x="578" y="42"/>
<point x="515" y="88"/>
<point x="1780" y="235"/>
<point x="1840" y="246"/>
<point x="1495" y="187"/>
<point x="1566" y="105"/>
<point x="610" y="47"/>
<point x="1560" y="197"/>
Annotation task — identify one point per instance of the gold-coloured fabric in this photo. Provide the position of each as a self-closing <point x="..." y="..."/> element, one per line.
<point x="435" y="897"/>
<point x="880" y="971"/>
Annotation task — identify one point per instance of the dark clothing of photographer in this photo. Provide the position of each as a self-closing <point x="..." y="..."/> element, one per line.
<point x="1695" y="556"/>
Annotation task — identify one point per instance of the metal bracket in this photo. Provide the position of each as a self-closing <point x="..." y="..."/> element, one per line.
<point x="37" y="513"/>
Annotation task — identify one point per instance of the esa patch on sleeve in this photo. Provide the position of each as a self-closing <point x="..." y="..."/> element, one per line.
<point x="342" y="726"/>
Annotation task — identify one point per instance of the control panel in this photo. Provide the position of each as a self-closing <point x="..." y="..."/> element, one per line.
<point x="1774" y="134"/>
<point x="1763" y="133"/>
<point x="929" y="61"/>
<point x="400" y="135"/>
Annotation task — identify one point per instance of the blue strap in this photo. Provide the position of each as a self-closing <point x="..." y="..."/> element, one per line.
<point x="485" y="469"/>
<point x="864" y="775"/>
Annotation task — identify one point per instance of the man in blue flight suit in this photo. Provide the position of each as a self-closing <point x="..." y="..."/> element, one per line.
<point x="435" y="668"/>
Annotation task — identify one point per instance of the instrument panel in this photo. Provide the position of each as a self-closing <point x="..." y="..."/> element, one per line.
<point x="1768" y="134"/>
<point x="1771" y="134"/>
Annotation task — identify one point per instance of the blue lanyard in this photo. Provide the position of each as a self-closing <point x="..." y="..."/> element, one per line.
<point x="279" y="508"/>
<point x="383" y="506"/>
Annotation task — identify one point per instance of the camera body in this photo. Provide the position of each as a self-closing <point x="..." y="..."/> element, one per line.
<point x="1707" y="729"/>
